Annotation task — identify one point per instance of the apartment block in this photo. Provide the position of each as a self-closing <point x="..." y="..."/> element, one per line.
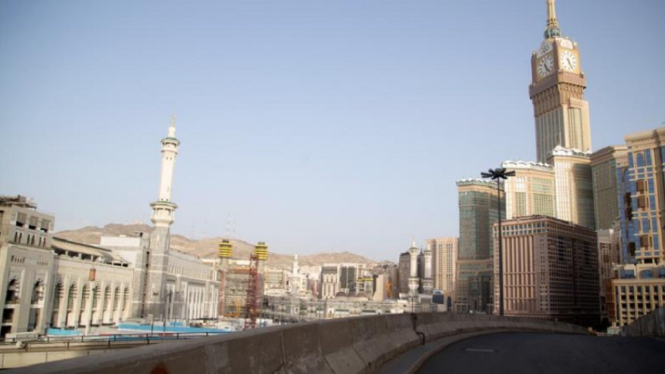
<point x="444" y="263"/>
<point x="606" y="185"/>
<point x="550" y="270"/>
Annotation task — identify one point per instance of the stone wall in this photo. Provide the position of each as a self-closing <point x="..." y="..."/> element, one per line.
<point x="349" y="345"/>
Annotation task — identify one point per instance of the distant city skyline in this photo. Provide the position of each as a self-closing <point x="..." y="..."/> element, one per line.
<point x="315" y="127"/>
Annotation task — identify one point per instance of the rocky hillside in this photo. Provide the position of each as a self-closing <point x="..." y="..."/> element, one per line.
<point x="207" y="248"/>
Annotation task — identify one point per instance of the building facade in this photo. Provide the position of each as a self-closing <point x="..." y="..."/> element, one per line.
<point x="626" y="224"/>
<point x="344" y="279"/>
<point x="444" y="264"/>
<point x="606" y="185"/>
<point x="646" y="192"/>
<point x="27" y="266"/>
<point x="639" y="284"/>
<point x="574" y="186"/>
<point x="478" y="211"/>
<point x="531" y="191"/>
<point x="550" y="270"/>
<point x="54" y="283"/>
<point x="635" y="291"/>
<point x="404" y="270"/>
<point x="608" y="258"/>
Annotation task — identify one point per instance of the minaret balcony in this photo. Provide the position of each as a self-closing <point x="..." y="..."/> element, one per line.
<point x="169" y="140"/>
<point x="164" y="204"/>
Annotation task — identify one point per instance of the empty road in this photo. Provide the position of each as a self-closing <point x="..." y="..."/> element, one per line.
<point x="549" y="353"/>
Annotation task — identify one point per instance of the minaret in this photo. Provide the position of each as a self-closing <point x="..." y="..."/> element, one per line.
<point x="163" y="208"/>
<point x="295" y="269"/>
<point x="160" y="238"/>
<point x="413" y="272"/>
<point x="428" y="283"/>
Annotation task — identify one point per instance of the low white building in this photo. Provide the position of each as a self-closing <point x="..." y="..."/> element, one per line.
<point x="50" y="282"/>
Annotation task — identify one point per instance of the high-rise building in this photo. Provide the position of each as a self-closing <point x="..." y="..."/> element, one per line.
<point x="626" y="224"/>
<point x="343" y="279"/>
<point x="646" y="187"/>
<point x="605" y="185"/>
<point x="608" y="259"/>
<point x="329" y="281"/>
<point x="557" y="92"/>
<point x="638" y="286"/>
<point x="444" y="263"/>
<point x="478" y="211"/>
<point x="550" y="270"/>
<point x="574" y="186"/>
<point x="404" y="271"/>
<point x="348" y="275"/>
<point x="394" y="282"/>
<point x="531" y="191"/>
<point x="478" y="207"/>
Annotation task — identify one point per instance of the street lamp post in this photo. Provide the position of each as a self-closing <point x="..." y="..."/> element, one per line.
<point x="498" y="174"/>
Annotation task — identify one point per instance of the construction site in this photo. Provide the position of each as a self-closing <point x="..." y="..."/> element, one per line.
<point x="241" y="284"/>
<point x="250" y="295"/>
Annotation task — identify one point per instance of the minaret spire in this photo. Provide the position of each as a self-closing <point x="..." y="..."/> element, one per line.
<point x="552" y="30"/>
<point x="172" y="127"/>
<point x="163" y="208"/>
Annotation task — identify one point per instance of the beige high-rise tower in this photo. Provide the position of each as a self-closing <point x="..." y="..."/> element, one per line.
<point x="574" y="187"/>
<point x="557" y="92"/>
<point x="444" y="263"/>
<point x="531" y="191"/>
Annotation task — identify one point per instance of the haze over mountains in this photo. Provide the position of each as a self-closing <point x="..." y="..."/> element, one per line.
<point x="207" y="248"/>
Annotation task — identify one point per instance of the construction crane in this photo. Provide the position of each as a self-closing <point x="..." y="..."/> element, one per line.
<point x="225" y="249"/>
<point x="251" y="306"/>
<point x="238" y="309"/>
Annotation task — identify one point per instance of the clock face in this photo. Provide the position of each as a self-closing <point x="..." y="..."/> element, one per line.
<point x="545" y="66"/>
<point x="544" y="48"/>
<point x="568" y="61"/>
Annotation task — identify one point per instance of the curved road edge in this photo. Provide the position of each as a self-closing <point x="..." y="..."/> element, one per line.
<point x="412" y="361"/>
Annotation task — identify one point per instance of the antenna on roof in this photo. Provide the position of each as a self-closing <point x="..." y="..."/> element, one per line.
<point x="230" y="228"/>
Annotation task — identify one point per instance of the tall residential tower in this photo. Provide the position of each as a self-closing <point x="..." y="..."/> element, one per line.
<point x="478" y="211"/>
<point x="605" y="185"/>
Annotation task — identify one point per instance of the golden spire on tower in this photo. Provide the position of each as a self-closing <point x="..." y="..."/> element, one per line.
<point x="551" y="14"/>
<point x="552" y="30"/>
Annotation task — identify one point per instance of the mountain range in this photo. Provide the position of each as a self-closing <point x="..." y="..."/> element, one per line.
<point x="207" y="248"/>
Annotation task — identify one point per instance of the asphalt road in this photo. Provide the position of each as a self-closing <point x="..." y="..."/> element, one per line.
<point x="549" y="353"/>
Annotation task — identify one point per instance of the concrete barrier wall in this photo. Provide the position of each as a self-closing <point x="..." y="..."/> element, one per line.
<point x="13" y="360"/>
<point x="653" y="324"/>
<point x="340" y="346"/>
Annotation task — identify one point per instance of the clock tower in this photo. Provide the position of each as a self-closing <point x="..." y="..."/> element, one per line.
<point x="557" y="93"/>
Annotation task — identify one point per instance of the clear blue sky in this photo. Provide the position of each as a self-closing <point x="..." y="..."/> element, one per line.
<point x="315" y="125"/>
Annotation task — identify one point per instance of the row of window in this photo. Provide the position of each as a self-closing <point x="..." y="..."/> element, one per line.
<point x="29" y="239"/>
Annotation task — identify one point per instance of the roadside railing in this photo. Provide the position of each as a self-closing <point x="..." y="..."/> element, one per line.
<point x="100" y="341"/>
